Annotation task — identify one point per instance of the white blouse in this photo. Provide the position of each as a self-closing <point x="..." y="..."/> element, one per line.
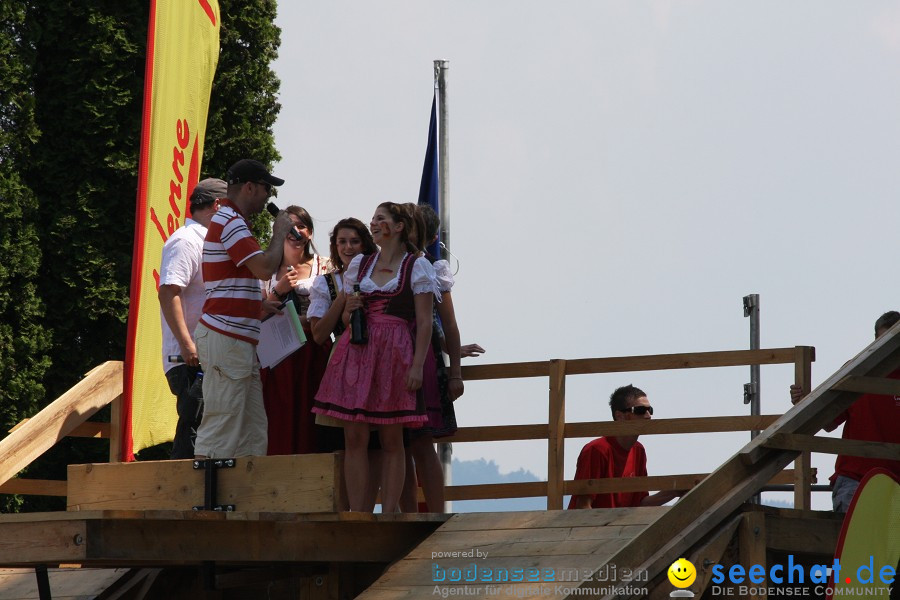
<point x="423" y="278"/>
<point x="443" y="275"/>
<point x="320" y="297"/>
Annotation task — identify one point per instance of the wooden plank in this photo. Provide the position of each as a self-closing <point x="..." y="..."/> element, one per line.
<point x="49" y="542"/>
<point x="34" y="487"/>
<point x="543" y="519"/>
<point x="488" y="540"/>
<point x="499" y="433"/>
<point x="557" y="435"/>
<point x="505" y="370"/>
<point x="302" y="483"/>
<point x="803" y="479"/>
<point x="490" y="491"/>
<point x="752" y="545"/>
<point x="829" y="445"/>
<point x="803" y="463"/>
<point x="652" y="483"/>
<point x="670" y="426"/>
<point x="593" y="429"/>
<point x="56" y="421"/>
<point x="689" y="360"/>
<point x="797" y="534"/>
<point x="115" y="433"/>
<point x="869" y="385"/>
<point x="421" y="573"/>
<point x="88" y="429"/>
<point x="71" y="584"/>
<point x="153" y="542"/>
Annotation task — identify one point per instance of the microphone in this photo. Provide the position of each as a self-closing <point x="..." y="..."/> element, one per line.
<point x="274" y="210"/>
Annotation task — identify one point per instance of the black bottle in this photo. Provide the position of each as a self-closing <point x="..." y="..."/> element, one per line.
<point x="359" y="331"/>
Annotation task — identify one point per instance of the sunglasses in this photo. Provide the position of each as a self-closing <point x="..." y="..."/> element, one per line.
<point x="266" y="185"/>
<point x="640" y="410"/>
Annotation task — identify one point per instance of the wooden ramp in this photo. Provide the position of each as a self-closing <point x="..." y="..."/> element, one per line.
<point x="486" y="555"/>
<point x="644" y="542"/>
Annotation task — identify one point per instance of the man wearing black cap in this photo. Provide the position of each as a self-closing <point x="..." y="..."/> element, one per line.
<point x="234" y="418"/>
<point x="181" y="296"/>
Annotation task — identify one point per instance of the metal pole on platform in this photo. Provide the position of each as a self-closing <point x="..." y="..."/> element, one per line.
<point x="445" y="451"/>
<point x="752" y="389"/>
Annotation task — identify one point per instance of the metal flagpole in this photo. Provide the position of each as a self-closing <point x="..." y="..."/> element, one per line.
<point x="445" y="450"/>
<point x="440" y="78"/>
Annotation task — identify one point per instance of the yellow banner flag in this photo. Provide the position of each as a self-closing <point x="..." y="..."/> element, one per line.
<point x="182" y="54"/>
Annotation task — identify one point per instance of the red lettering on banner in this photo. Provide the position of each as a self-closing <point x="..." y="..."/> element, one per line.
<point x="204" y="4"/>
<point x="156" y="279"/>
<point x="182" y="137"/>
<point x="159" y="227"/>
<point x="176" y="181"/>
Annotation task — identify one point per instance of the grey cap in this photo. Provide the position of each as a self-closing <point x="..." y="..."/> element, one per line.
<point x="208" y="191"/>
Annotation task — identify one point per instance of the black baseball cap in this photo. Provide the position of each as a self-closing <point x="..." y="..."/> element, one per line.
<point x="208" y="191"/>
<point x="248" y="169"/>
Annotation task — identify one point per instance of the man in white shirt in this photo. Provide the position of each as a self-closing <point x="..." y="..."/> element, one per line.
<point x="181" y="297"/>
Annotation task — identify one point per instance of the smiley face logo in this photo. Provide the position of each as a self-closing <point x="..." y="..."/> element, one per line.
<point x="682" y="573"/>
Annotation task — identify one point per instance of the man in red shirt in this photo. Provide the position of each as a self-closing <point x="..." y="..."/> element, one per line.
<point x="234" y="418"/>
<point x="872" y="418"/>
<point x="620" y="456"/>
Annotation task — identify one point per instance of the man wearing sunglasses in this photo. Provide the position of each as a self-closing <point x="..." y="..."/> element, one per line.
<point x="234" y="266"/>
<point x="619" y="456"/>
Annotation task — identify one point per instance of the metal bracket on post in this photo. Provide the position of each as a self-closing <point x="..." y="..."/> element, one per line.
<point x="211" y="468"/>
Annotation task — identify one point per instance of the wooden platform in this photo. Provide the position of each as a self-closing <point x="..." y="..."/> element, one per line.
<point x="523" y="547"/>
<point x="147" y="538"/>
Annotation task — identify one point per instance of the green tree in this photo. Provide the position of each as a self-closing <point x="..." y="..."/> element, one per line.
<point x="86" y="78"/>
<point x="24" y="341"/>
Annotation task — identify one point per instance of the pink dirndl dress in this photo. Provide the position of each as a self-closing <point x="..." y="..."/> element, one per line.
<point x="367" y="382"/>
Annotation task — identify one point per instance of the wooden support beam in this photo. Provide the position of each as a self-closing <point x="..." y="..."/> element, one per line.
<point x="34" y="487"/>
<point x="115" y="434"/>
<point x="155" y="538"/>
<point x="869" y="385"/>
<point x="88" y="429"/>
<point x="704" y="558"/>
<point x="593" y="429"/>
<point x="670" y="426"/>
<point x="688" y="360"/>
<point x="294" y="483"/>
<point x="629" y="364"/>
<point x="791" y="533"/>
<point x="557" y="435"/>
<point x="99" y="387"/>
<point x="829" y="445"/>
<point x="803" y="479"/>
<point x="752" y="545"/>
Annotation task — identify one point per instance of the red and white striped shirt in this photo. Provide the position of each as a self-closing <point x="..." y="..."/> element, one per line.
<point x="233" y="294"/>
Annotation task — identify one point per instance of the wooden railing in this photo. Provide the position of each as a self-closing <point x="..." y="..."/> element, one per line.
<point x="557" y="430"/>
<point x="67" y="416"/>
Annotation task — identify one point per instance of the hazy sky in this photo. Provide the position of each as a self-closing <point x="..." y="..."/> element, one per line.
<point x="622" y="174"/>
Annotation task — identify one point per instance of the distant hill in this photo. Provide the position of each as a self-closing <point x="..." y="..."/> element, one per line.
<point x="473" y="472"/>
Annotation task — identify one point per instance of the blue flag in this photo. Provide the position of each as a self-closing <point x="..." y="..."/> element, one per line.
<point x="429" y="190"/>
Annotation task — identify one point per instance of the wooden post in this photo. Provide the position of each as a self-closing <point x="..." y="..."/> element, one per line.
<point x="115" y="429"/>
<point x="752" y="546"/>
<point x="803" y="357"/>
<point x="556" y="439"/>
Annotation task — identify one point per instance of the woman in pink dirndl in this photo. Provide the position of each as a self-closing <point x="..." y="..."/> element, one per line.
<point x="375" y="384"/>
